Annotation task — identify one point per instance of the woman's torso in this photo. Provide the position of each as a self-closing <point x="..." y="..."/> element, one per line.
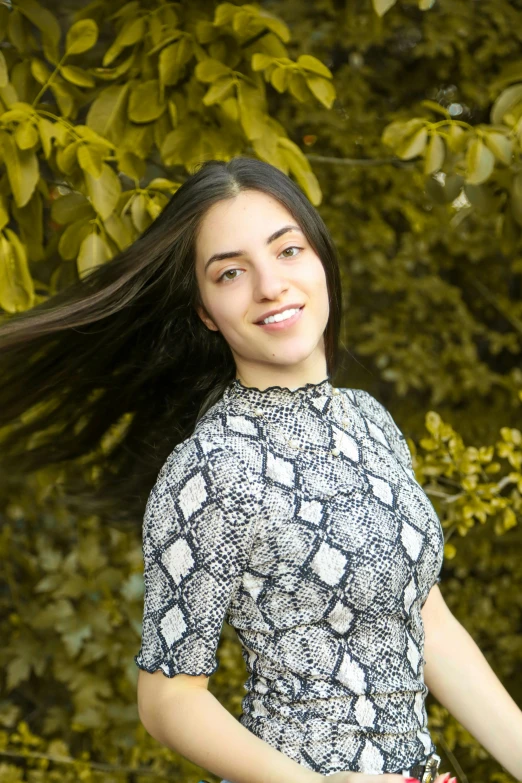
<point x="345" y="551"/>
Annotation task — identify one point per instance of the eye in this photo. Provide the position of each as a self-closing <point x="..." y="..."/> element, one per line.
<point x="292" y="247"/>
<point x="222" y="277"/>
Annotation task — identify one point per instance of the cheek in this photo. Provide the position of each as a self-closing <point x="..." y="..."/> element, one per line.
<point x="317" y="281"/>
<point x="229" y="309"/>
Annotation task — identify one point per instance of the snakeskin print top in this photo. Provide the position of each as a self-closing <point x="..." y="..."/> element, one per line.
<point x="321" y="562"/>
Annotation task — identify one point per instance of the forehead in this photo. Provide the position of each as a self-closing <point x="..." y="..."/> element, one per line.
<point x="249" y="216"/>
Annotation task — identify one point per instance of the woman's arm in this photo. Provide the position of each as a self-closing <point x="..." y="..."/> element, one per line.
<point x="182" y="714"/>
<point x="461" y="679"/>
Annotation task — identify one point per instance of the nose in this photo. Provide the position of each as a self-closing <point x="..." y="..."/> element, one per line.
<point x="269" y="284"/>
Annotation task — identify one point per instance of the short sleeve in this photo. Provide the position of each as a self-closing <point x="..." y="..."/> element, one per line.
<point x="198" y="529"/>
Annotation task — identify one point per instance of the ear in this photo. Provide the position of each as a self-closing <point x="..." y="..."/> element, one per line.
<point x="207" y="320"/>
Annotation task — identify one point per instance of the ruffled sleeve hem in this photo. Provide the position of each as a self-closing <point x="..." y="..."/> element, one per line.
<point x="169" y="669"/>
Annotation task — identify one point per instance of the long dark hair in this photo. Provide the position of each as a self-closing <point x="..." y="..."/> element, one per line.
<point x="108" y="375"/>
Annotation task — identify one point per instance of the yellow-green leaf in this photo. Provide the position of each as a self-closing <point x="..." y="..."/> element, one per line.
<point x="8" y="94"/>
<point x="22" y="169"/>
<point x="77" y="76"/>
<point x="72" y="237"/>
<point x="449" y="551"/>
<point x="276" y="25"/>
<point x="17" y="31"/>
<point x="261" y="61"/>
<point x="70" y="207"/>
<point x="382" y="6"/>
<point x="66" y="158"/>
<point x="436" y="107"/>
<point x="176" y="145"/>
<point x="266" y="148"/>
<point x="30" y="226"/>
<point x="510" y="519"/>
<point x="81" y="36"/>
<point x="413" y="146"/>
<point x="500" y="146"/>
<point x="132" y="32"/>
<point x="230" y="109"/>
<point x="40" y="71"/>
<point x="94" y="251"/>
<point x="19" y="112"/>
<point x="323" y="90"/>
<point x="138" y="139"/>
<point x="103" y="191"/>
<point x="209" y="70"/>
<point x="156" y="205"/>
<point x="280" y="79"/>
<point x="300" y="168"/>
<point x="47" y="134"/>
<point x="91" y="158"/>
<point x="173" y="58"/>
<point x="309" y="63"/>
<point x="107" y="114"/>
<point x="224" y="13"/>
<point x="41" y="18"/>
<point x="435" y="154"/>
<point x="111" y="74"/>
<point x="16" y="284"/>
<point x="508" y="101"/>
<point x="480" y="162"/>
<point x="26" y="135"/>
<point x="146" y="103"/>
<point x="64" y="95"/>
<point x="251" y="108"/>
<point x="88" y="134"/>
<point x="140" y="216"/>
<point x="4" y="73"/>
<point x="298" y="87"/>
<point x="218" y="90"/>
<point x="397" y="132"/>
<point x="4" y="213"/>
<point x="160" y="183"/>
<point x="118" y="231"/>
<point x="131" y="164"/>
<point x="456" y="138"/>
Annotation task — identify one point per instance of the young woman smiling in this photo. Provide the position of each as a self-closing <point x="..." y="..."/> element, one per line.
<point x="273" y="499"/>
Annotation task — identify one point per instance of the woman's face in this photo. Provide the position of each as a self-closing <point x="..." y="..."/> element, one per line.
<point x="270" y="270"/>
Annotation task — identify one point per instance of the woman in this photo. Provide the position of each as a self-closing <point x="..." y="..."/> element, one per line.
<point x="278" y="501"/>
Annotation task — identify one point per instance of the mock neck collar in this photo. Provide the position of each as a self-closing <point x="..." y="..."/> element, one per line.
<point x="278" y="395"/>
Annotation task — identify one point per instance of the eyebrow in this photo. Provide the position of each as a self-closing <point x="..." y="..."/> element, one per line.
<point x="236" y="253"/>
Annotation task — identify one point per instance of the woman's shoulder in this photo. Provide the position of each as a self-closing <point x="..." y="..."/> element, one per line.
<point x="366" y="401"/>
<point x="379" y="414"/>
<point x="209" y="456"/>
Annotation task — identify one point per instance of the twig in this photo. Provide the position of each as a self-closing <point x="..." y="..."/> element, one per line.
<point x="452" y="758"/>
<point x="362" y="161"/>
<point x="486" y="293"/>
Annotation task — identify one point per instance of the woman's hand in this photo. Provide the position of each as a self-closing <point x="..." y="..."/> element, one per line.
<point x="360" y="777"/>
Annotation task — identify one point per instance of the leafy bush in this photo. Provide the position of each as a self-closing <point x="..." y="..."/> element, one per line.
<point x="102" y="115"/>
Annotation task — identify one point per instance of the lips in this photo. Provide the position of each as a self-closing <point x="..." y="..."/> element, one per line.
<point x="295" y="306"/>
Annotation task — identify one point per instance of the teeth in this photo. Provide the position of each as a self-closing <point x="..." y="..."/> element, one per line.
<point x="281" y="316"/>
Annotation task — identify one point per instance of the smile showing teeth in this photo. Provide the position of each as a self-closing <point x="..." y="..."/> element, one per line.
<point x="281" y="316"/>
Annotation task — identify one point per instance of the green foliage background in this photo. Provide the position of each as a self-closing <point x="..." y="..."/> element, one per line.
<point x="402" y="122"/>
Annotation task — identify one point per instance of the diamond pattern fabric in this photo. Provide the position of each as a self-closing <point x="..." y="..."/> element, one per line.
<point x="321" y="563"/>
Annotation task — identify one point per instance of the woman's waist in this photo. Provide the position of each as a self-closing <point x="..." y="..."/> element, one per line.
<point x="382" y="712"/>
